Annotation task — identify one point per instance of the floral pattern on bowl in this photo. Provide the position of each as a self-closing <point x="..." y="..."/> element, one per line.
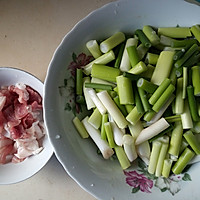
<point x="139" y="179"/>
<point x="68" y="87"/>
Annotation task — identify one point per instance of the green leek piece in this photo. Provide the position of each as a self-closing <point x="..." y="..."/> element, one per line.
<point x="149" y="115"/>
<point x="79" y="81"/>
<point x="142" y="50"/>
<point x="179" y="72"/>
<point x="122" y="157"/>
<point x="105" y="72"/>
<point x="173" y="118"/>
<point x="95" y="119"/>
<point x="179" y="101"/>
<point x="138" y="101"/>
<point x="143" y="38"/>
<point x="133" y="55"/>
<point x="181" y="52"/>
<point x="151" y="35"/>
<point x="109" y="134"/>
<point x="156" y="147"/>
<point x="100" y="81"/>
<point x="183" y="43"/>
<point x="134" y="116"/>
<point x="139" y="68"/>
<point x="192" y="141"/>
<point x="130" y="76"/>
<point x="175" y="32"/>
<point x="112" y="93"/>
<point x="94" y="48"/>
<point x="165" y="41"/>
<point x="192" y="103"/>
<point x="119" y="56"/>
<point x="149" y="72"/>
<point x="112" y="42"/>
<point x="162" y="156"/>
<point x="152" y="58"/>
<point x="98" y="86"/>
<point x="196" y="128"/>
<point x="163" y="98"/>
<point x="103" y="121"/>
<point x="146" y="85"/>
<point x="166" y="167"/>
<point x="176" y="139"/>
<point x="163" y="67"/>
<point x="129" y="107"/>
<point x="193" y="59"/>
<point x="196" y="31"/>
<point x="80" y="127"/>
<point x="173" y="76"/>
<point x="184" y="144"/>
<point x="144" y="100"/>
<point x="102" y="60"/>
<point x="80" y="99"/>
<point x="196" y="80"/>
<point x="159" y="91"/>
<point x="186" y="56"/>
<point x="125" y="90"/>
<point x="183" y="160"/>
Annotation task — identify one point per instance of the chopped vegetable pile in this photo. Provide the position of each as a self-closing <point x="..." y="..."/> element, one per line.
<point x="21" y="123"/>
<point x="144" y="94"/>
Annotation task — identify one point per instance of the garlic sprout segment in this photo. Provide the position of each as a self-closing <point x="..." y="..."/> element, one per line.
<point x="95" y="134"/>
<point x="129" y="147"/>
<point x="96" y="101"/>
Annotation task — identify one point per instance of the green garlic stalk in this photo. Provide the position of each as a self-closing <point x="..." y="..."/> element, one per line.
<point x="80" y="127"/>
<point x="112" y="42"/>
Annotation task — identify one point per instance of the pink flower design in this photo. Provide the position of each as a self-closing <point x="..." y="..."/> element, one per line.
<point x="138" y="181"/>
<point x="78" y="62"/>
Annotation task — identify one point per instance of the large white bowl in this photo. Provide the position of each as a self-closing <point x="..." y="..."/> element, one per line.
<point x="12" y="173"/>
<point x="105" y="179"/>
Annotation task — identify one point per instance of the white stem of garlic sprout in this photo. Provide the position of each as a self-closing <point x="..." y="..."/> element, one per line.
<point x="95" y="134"/>
<point x="129" y="147"/>
<point x="89" y="103"/>
<point x="112" y="109"/>
<point x="117" y="133"/>
<point x="143" y="151"/>
<point x="152" y="131"/>
<point x="96" y="101"/>
<point x="125" y="62"/>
